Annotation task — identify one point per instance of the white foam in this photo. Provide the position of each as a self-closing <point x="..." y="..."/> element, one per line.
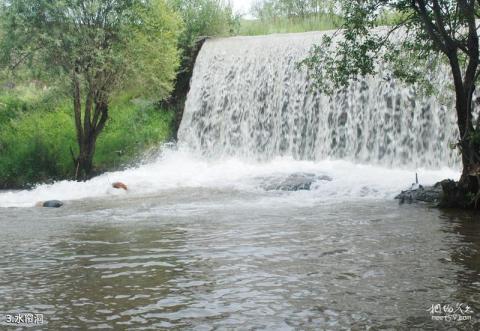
<point x="180" y="169"/>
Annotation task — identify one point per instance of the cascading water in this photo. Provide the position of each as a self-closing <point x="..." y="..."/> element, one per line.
<point x="249" y="99"/>
<point x="251" y="114"/>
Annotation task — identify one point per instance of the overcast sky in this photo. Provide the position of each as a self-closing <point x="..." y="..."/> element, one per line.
<point x="242" y="6"/>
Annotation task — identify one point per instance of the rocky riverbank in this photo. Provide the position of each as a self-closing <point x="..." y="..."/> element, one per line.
<point x="419" y="193"/>
<point x="445" y="194"/>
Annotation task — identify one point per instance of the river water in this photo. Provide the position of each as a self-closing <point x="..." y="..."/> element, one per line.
<point x="213" y="250"/>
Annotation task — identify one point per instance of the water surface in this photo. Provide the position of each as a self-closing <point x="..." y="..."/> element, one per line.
<point x="206" y="258"/>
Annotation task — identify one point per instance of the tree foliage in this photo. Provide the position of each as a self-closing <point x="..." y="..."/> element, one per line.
<point x="205" y="18"/>
<point x="96" y="48"/>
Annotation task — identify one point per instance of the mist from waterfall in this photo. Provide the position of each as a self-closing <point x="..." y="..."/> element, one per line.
<point x="250" y="100"/>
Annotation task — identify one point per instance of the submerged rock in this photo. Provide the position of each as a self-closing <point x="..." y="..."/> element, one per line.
<point x="430" y="194"/>
<point x="293" y="182"/>
<point x="52" y="204"/>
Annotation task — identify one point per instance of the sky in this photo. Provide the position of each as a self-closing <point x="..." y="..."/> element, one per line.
<point x="242" y="6"/>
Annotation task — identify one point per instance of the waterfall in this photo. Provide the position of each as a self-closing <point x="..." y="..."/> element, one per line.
<point x="251" y="114"/>
<point x="248" y="99"/>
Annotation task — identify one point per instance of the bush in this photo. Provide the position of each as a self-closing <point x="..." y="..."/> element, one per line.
<point x="134" y="127"/>
<point x="34" y="147"/>
<point x="205" y="18"/>
<point x="36" y="135"/>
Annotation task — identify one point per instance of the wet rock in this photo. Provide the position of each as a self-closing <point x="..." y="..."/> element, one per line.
<point x="430" y="194"/>
<point x="52" y="204"/>
<point x="293" y="182"/>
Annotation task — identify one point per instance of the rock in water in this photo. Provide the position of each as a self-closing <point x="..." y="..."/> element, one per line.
<point x="431" y="194"/>
<point x="52" y="204"/>
<point x="293" y="182"/>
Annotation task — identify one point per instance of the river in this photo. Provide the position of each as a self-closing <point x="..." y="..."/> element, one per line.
<point x="205" y="255"/>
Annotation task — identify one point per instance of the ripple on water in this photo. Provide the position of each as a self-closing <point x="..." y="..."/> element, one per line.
<point x="295" y="268"/>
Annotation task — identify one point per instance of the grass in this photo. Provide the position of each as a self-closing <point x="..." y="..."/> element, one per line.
<point x="37" y="132"/>
<point x="289" y="25"/>
<point x="319" y="22"/>
<point x="134" y="128"/>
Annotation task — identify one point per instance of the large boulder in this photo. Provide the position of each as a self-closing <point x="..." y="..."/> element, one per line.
<point x="293" y="182"/>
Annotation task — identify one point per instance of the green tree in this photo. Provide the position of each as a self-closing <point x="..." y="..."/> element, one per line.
<point x="421" y="35"/>
<point x="205" y="18"/>
<point x="97" y="48"/>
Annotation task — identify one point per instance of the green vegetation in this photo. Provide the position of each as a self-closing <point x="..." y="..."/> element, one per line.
<point x="204" y="18"/>
<point x="291" y="16"/>
<point x="286" y="16"/>
<point x="136" y="127"/>
<point x="97" y="48"/>
<point x="37" y="133"/>
<point x="288" y="25"/>
<point x="32" y="140"/>
<point x="273" y="9"/>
